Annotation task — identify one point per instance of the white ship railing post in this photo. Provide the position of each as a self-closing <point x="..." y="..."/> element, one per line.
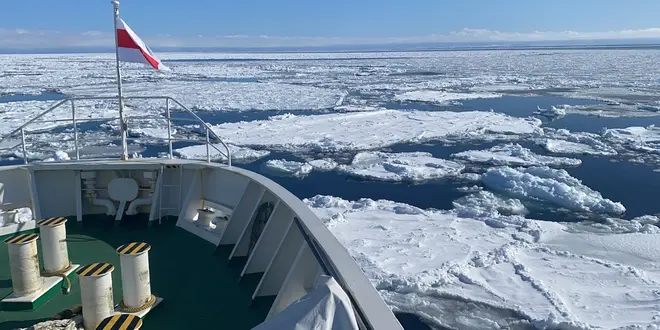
<point x="75" y="128"/>
<point x="25" y="160"/>
<point x="208" y="145"/>
<point x="169" y="126"/>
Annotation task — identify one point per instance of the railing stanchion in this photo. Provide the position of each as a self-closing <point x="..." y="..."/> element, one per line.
<point x="169" y="126"/>
<point x="210" y="134"/>
<point x="25" y="159"/>
<point x="75" y="129"/>
<point x="208" y="144"/>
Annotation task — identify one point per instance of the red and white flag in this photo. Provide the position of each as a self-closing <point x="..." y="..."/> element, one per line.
<point x="132" y="49"/>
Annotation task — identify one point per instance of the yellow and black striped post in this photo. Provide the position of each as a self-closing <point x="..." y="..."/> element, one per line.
<point x="52" y="222"/>
<point x="95" y="269"/>
<point x="135" y="277"/>
<point x="21" y="238"/>
<point x="96" y="293"/>
<point x="133" y="248"/>
<point x="54" y="246"/>
<point x="24" y="264"/>
<point x="120" y="322"/>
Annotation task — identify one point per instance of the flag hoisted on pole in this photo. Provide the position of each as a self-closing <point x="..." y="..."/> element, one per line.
<point x="129" y="48"/>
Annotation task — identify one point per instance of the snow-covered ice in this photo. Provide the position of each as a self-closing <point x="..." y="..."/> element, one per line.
<point x="514" y="154"/>
<point x="567" y="142"/>
<point x="372" y="130"/>
<point x="552" y="112"/>
<point x="549" y="185"/>
<point x="498" y="272"/>
<point x="442" y="97"/>
<point x="289" y="167"/>
<point x="643" y="138"/>
<point x="19" y="215"/>
<point x="238" y="153"/>
<point x="567" y="147"/>
<point x="485" y="203"/>
<point x="323" y="165"/>
<point x="404" y="166"/>
<point x="213" y="96"/>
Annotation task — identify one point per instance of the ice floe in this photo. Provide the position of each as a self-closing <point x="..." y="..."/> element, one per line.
<point x="485" y="203"/>
<point x="552" y="112"/>
<point x="374" y="129"/>
<point x="403" y="166"/>
<point x="549" y="185"/>
<point x="323" y="165"/>
<point x="480" y="272"/>
<point x="513" y="154"/>
<point x="567" y="142"/>
<point x="442" y="97"/>
<point x="611" y="109"/>
<point x="641" y="138"/>
<point x="238" y="153"/>
<point x="289" y="167"/>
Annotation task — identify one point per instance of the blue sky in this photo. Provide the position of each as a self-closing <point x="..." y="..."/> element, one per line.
<point x="246" y="22"/>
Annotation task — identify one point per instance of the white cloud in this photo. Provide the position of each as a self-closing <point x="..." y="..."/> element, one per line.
<point x="29" y="39"/>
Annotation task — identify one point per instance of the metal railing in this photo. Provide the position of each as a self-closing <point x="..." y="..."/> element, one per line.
<point x="209" y="134"/>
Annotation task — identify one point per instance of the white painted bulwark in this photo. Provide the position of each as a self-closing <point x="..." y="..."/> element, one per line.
<point x="281" y="250"/>
<point x="14" y="188"/>
<point x="242" y="247"/>
<point x="96" y="293"/>
<point x="56" y="193"/>
<point x="266" y="246"/>
<point x="135" y="277"/>
<point x="303" y="272"/>
<point x="281" y="263"/>
<point x="53" y="244"/>
<point x="24" y="264"/>
<point x="223" y="187"/>
<point x="242" y="213"/>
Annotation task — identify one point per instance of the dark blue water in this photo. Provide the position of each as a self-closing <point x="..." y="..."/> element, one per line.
<point x="43" y="96"/>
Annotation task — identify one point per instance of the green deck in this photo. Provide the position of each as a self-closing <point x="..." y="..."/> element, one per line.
<point x="198" y="284"/>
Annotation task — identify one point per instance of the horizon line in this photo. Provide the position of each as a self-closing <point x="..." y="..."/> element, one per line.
<point x="585" y="44"/>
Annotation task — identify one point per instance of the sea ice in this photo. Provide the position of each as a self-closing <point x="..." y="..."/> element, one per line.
<point x="567" y="142"/>
<point x="549" y="185"/>
<point x="373" y="130"/>
<point x="514" y="155"/>
<point x="638" y="136"/>
<point x="442" y="97"/>
<point x="496" y="271"/>
<point x="238" y="153"/>
<point x="323" y="165"/>
<point x="567" y="147"/>
<point x="485" y="203"/>
<point x="289" y="167"/>
<point x="403" y="166"/>
<point x="212" y="96"/>
<point x="552" y="112"/>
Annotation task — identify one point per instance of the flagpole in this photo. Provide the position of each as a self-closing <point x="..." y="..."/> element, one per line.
<point x="122" y="122"/>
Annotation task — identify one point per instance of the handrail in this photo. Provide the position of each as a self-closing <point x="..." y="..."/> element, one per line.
<point x="208" y="131"/>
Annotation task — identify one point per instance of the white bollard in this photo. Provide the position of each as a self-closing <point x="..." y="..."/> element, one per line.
<point x="135" y="278"/>
<point x="96" y="293"/>
<point x="53" y="244"/>
<point x="24" y="264"/>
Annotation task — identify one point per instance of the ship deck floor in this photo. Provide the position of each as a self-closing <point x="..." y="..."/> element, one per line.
<point x="200" y="287"/>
